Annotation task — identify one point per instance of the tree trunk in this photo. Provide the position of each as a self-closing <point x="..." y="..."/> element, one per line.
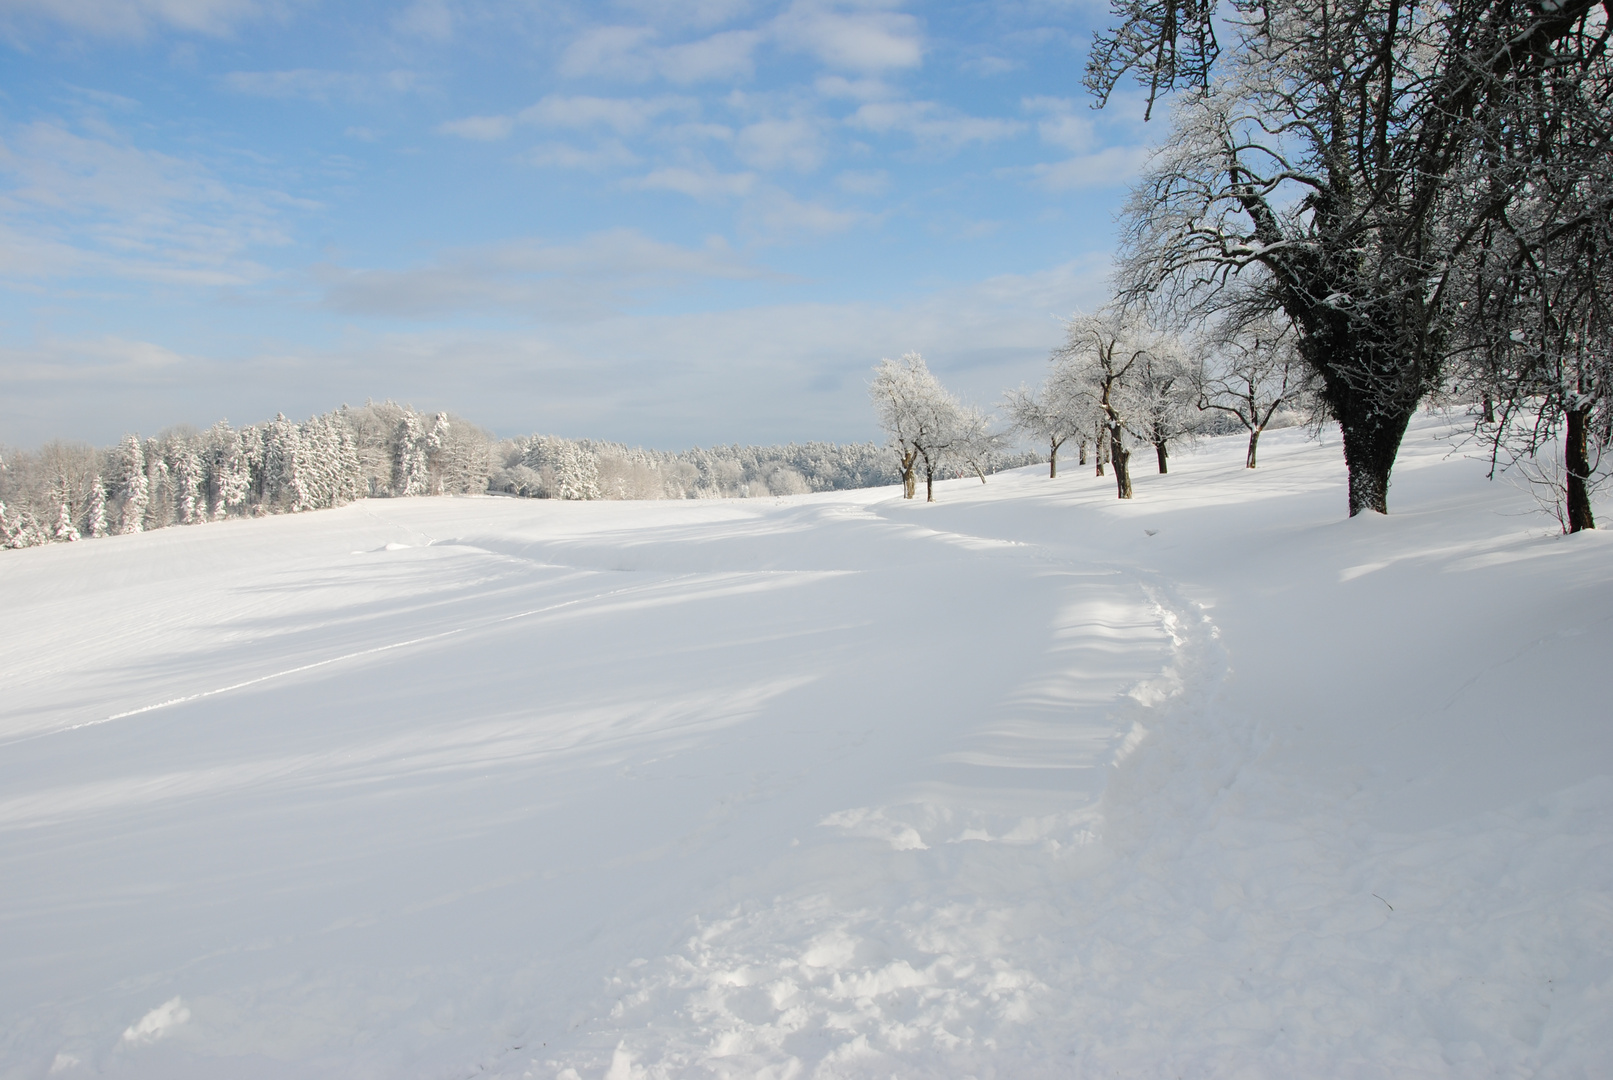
<point x="1159" y="451"/>
<point x="1254" y="441"/>
<point x="1120" y="457"/>
<point x="1576" y="457"/>
<point x="1053" y="462"/>
<point x="1489" y="409"/>
<point x="1371" y="438"/>
<point x="909" y="483"/>
<point x="1082" y="460"/>
<point x="929" y="484"/>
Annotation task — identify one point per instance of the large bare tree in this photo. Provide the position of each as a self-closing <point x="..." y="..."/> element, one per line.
<point x="1334" y="148"/>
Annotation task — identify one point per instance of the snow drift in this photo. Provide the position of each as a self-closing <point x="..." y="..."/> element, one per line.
<point x="1029" y="782"/>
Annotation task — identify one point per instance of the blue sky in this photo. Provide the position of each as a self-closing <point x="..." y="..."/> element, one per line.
<point x="666" y="223"/>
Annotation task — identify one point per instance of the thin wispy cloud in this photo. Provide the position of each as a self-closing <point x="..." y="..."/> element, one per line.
<point x="704" y="184"/>
<point x="315" y="85"/>
<point x="636" y="54"/>
<point x="102" y="206"/>
<point x="601" y="274"/>
<point x="851" y="37"/>
<point x="931" y="123"/>
<point x="139" y="18"/>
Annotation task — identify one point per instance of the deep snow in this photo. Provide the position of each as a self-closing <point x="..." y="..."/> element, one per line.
<point x="1029" y="782"/>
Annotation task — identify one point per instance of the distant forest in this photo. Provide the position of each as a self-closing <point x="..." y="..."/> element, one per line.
<point x="68" y="491"/>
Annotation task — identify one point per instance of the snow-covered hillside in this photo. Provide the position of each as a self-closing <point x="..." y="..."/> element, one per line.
<point x="1026" y="783"/>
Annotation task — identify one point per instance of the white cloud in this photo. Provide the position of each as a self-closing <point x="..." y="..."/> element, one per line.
<point x="480" y="128"/>
<point x="858" y="39"/>
<point x="928" y="122"/>
<point x="583" y="280"/>
<point x="721" y="56"/>
<point x="98" y="361"/>
<point x="1112" y="167"/>
<point x="630" y="53"/>
<point x="611" y="51"/>
<point x="432" y="20"/>
<point x="1061" y="124"/>
<point x="608" y="154"/>
<point x="857" y="182"/>
<point x="838" y="86"/>
<point x="991" y="65"/>
<point x="697" y="184"/>
<point x="101" y="206"/>
<point x="316" y="85"/>
<point x="625" y="116"/>
<point x="695" y="133"/>
<point x="776" y="213"/>
<point x="796" y="143"/>
<point x="137" y="18"/>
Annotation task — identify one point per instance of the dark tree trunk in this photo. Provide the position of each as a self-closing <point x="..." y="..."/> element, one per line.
<point x="1371" y="387"/>
<point x="1082" y="460"/>
<point x="1053" y="462"/>
<point x="929" y="484"/>
<point x="1254" y="441"/>
<point x="1489" y="409"/>
<point x="1159" y="452"/>
<point x="909" y="483"/>
<point x="1371" y="439"/>
<point x="1120" y="457"/>
<point x="1576" y="457"/>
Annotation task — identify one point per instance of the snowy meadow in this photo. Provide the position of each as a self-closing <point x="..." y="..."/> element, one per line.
<point x="1027" y="782"/>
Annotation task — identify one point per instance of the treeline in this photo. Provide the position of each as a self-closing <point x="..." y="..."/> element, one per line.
<point x="70" y="491"/>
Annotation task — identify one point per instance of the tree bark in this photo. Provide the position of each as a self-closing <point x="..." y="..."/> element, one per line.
<point x="1576" y="457"/>
<point x="1120" y="457"/>
<point x="1254" y="441"/>
<point x="1159" y="451"/>
<point x="929" y="484"/>
<point x="909" y="483"/>
<point x="1053" y="462"/>
<point x="1371" y="438"/>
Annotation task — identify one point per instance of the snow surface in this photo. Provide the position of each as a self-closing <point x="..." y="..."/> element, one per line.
<point x="1027" y="783"/>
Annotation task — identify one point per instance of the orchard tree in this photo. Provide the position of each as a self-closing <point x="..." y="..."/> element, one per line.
<point x="1052" y="415"/>
<point x="1357" y="153"/>
<point x="903" y="393"/>
<point x="1163" y="404"/>
<point x="1538" y="337"/>
<point x="1101" y="352"/>
<point x="1250" y="370"/>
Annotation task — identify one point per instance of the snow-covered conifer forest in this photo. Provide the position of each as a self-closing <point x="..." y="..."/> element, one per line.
<point x="65" y="491"/>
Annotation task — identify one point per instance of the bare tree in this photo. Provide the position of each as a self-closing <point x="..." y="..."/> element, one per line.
<point x="1053" y="414"/>
<point x="1334" y="148"/>
<point x="1251" y="372"/>
<point x="1100" y="352"/>
<point x="1162" y="399"/>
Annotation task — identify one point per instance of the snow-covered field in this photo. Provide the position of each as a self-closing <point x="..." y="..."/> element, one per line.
<point x="1026" y="783"/>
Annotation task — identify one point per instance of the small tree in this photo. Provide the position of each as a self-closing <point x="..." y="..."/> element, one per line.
<point x="1101" y="352"/>
<point x="1052" y="415"/>
<point x="904" y="393"/>
<point x="1162" y="400"/>
<point x="1251" y="372"/>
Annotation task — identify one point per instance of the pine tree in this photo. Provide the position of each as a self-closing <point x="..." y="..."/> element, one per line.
<point x="133" y="489"/>
<point x="95" y="514"/>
